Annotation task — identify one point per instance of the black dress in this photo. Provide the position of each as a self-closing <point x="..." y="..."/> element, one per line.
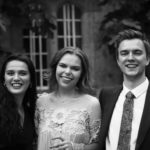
<point x="24" y="138"/>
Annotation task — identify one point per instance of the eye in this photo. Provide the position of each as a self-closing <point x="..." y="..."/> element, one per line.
<point x="76" y="68"/>
<point x="10" y="73"/>
<point x="23" y="73"/>
<point x="62" y="65"/>
<point x="138" y="52"/>
<point x="124" y="52"/>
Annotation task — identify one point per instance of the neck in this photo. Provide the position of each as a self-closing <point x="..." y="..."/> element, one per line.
<point x="66" y="93"/>
<point x="131" y="83"/>
<point x="19" y="101"/>
<point x="66" y="96"/>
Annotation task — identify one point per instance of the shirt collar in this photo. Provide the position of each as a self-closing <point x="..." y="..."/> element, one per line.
<point x="139" y="90"/>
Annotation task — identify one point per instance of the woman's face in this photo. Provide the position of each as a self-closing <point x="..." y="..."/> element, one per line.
<point x="68" y="71"/>
<point x="17" y="77"/>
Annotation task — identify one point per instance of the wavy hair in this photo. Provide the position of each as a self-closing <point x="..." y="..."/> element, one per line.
<point x="83" y="84"/>
<point x="9" y="117"/>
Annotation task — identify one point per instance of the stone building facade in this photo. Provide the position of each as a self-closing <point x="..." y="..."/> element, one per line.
<point x="82" y="31"/>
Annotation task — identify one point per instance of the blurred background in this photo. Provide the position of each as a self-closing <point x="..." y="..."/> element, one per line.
<point x="39" y="28"/>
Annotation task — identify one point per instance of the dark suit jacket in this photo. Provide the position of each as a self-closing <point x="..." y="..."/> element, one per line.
<point x="108" y="98"/>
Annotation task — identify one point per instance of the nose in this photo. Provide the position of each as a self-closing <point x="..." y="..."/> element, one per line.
<point x="130" y="56"/>
<point x="68" y="70"/>
<point x="16" y="77"/>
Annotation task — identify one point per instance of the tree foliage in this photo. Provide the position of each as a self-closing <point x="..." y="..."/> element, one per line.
<point x="133" y="14"/>
<point x="29" y="10"/>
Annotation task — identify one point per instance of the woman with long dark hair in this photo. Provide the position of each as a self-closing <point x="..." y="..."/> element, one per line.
<point x="17" y="103"/>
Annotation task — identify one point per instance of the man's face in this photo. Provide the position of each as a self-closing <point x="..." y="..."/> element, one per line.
<point x="132" y="58"/>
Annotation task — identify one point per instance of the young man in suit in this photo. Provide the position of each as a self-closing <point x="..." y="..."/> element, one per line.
<point x="133" y="55"/>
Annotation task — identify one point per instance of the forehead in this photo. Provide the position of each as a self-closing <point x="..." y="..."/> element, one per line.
<point x="71" y="59"/>
<point x="131" y="44"/>
<point x="16" y="65"/>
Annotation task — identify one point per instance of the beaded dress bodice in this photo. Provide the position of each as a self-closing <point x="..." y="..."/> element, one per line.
<point x="72" y="123"/>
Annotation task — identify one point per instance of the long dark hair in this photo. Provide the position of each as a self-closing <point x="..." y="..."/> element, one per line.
<point x="84" y="84"/>
<point x="9" y="117"/>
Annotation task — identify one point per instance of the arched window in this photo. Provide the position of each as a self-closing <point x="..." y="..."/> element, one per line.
<point x="69" y="26"/>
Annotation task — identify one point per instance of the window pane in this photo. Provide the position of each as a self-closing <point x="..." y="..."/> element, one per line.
<point x="77" y="13"/>
<point x="60" y="13"/>
<point x="36" y="44"/>
<point x="45" y="82"/>
<point x="26" y="45"/>
<point x="78" y="28"/>
<point x="60" y="28"/>
<point x="60" y="43"/>
<point x="78" y="42"/>
<point x="71" y="41"/>
<point x="69" y="11"/>
<point x="43" y="44"/>
<point x="38" y="78"/>
<point x="37" y="62"/>
<point x="70" y="27"/>
<point x="44" y="58"/>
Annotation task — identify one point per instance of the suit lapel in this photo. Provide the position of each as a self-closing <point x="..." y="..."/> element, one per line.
<point x="109" y="108"/>
<point x="145" y="121"/>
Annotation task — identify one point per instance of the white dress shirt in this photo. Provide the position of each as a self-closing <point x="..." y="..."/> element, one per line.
<point x="114" y="128"/>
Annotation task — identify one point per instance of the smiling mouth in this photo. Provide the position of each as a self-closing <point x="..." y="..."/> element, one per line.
<point x="131" y="66"/>
<point x="66" y="78"/>
<point x="16" y="85"/>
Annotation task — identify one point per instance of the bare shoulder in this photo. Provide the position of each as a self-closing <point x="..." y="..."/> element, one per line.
<point x="93" y="100"/>
<point x="93" y="105"/>
<point x="43" y="98"/>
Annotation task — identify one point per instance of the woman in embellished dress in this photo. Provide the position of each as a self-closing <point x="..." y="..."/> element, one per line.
<point x="68" y="117"/>
<point x="17" y="103"/>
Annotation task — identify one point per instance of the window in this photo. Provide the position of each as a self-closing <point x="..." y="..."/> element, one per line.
<point x="35" y="47"/>
<point x="69" y="26"/>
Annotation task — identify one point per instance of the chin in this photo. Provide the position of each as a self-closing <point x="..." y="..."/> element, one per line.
<point x="133" y="75"/>
<point x="17" y="92"/>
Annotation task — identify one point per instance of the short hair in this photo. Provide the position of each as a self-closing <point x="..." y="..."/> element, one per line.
<point x="84" y="81"/>
<point x="132" y="34"/>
